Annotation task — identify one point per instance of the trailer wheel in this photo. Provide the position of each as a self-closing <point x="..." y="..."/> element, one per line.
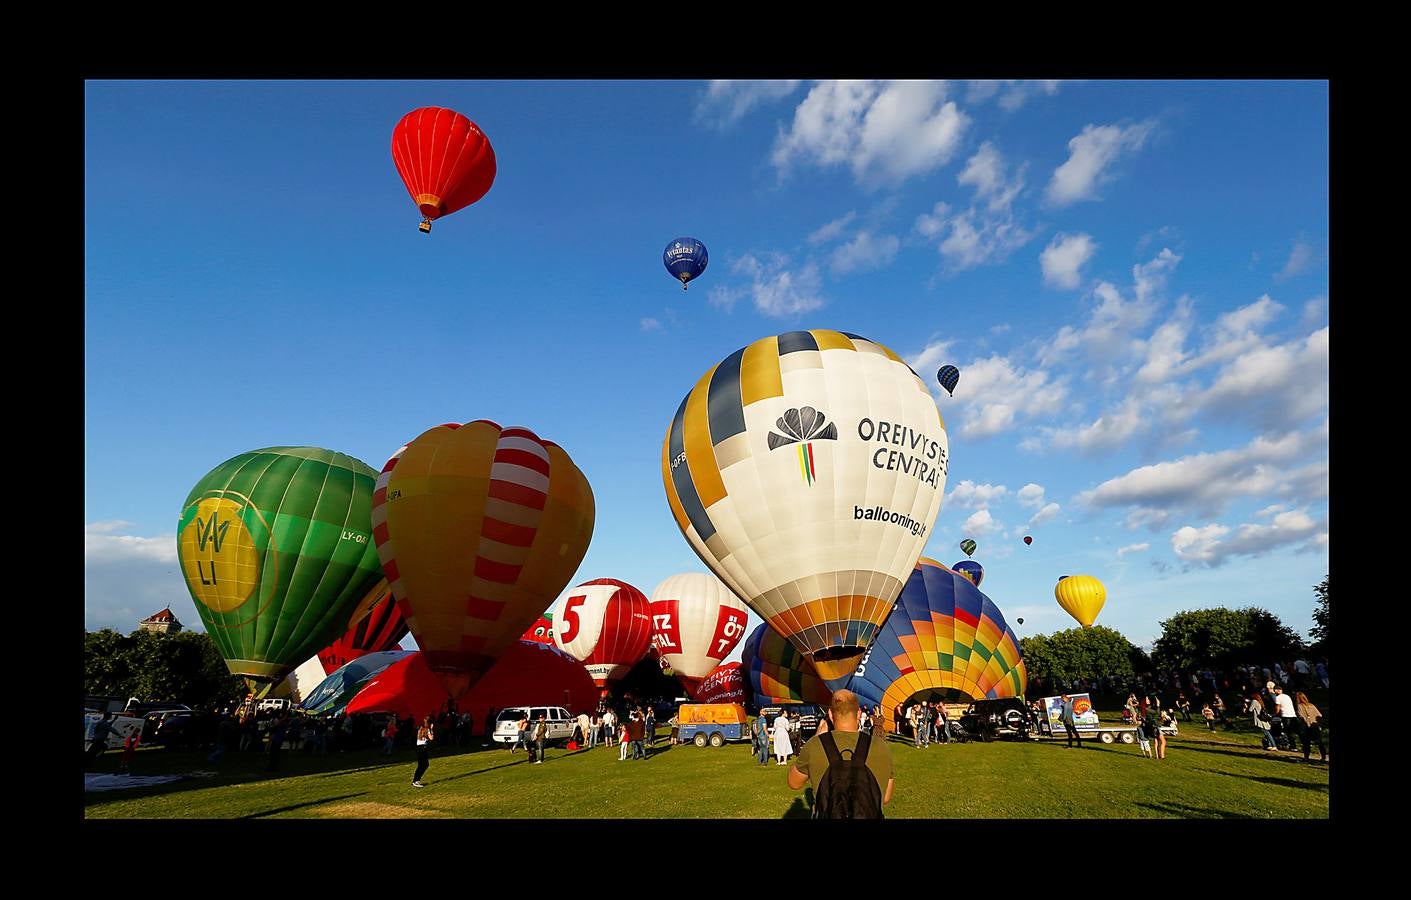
<point x="717" y="740"/>
<point x="699" y="740"/>
<point x="1127" y="738"/>
<point x="1106" y="737"/>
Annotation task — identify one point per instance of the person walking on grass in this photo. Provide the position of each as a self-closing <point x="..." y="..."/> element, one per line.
<point x="783" y="747"/>
<point x="1312" y="731"/>
<point x="1070" y="722"/>
<point x="761" y="739"/>
<point x="424" y="736"/>
<point x="541" y="734"/>
<point x="1261" y="721"/>
<point x="389" y="735"/>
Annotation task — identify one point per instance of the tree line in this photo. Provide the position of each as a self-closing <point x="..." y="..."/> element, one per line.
<point x="157" y="667"/>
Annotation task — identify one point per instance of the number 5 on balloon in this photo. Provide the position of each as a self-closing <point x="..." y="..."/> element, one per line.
<point x="570" y="615"/>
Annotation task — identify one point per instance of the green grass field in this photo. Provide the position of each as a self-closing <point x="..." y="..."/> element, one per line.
<point x="1205" y="775"/>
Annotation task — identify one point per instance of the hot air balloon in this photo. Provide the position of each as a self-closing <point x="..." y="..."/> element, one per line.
<point x="606" y="625"/>
<point x="685" y="258"/>
<point x="968" y="546"/>
<point x="776" y="672"/>
<point x="949" y="377"/>
<point x="1081" y="596"/>
<point x="806" y="471"/>
<point x="542" y="631"/>
<point x="943" y="635"/>
<point x="970" y="569"/>
<point x="379" y="631"/>
<point x="696" y="622"/>
<point x="478" y="529"/>
<point x="275" y="547"/>
<point x="725" y="684"/>
<point x="1028" y="539"/>
<point x="444" y="159"/>
<point x="1021" y="621"/>
<point x="343" y="684"/>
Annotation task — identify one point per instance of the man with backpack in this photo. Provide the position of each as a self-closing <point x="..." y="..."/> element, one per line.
<point x="851" y="773"/>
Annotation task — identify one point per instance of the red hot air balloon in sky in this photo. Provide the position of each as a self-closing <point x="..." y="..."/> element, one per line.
<point x="1028" y="540"/>
<point x="444" y="159"/>
<point x="605" y="624"/>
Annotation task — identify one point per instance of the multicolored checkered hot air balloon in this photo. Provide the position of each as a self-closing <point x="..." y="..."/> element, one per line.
<point x="276" y="549"/>
<point x="478" y="527"/>
<point x="606" y="625"/>
<point x="807" y="470"/>
<point x="776" y="672"/>
<point x="943" y="635"/>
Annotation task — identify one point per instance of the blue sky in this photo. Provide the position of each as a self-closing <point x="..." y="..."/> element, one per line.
<point x="1131" y="276"/>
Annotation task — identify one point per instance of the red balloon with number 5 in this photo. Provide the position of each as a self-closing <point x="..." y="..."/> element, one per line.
<point x="604" y="624"/>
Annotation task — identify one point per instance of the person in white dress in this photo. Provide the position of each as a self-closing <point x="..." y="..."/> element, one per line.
<point x="783" y="747"/>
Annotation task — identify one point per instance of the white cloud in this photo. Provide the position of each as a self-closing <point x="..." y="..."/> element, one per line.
<point x="1272" y="387"/>
<point x="724" y="296"/>
<point x="885" y="132"/>
<point x="650" y="324"/>
<point x="1091" y="153"/>
<point x="1301" y="259"/>
<point x="1005" y="392"/>
<point x="726" y="102"/>
<point x="936" y="354"/>
<point x="1205" y="482"/>
<point x="833" y="230"/>
<point x="1149" y="279"/>
<point x="1064" y="256"/>
<point x="1012" y="94"/>
<point x="1109" y="333"/>
<point x="985" y="172"/>
<point x="778" y="291"/>
<point x="1207" y="545"/>
<point x="976" y="240"/>
<point x="1031" y="495"/>
<point x="865" y="252"/>
<point x="980" y="524"/>
<point x="1044" y="515"/>
<point x="975" y="496"/>
<point x="128" y="577"/>
<point x="1133" y="548"/>
<point x="931" y="224"/>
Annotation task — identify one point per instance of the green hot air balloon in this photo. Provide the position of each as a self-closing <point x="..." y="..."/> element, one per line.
<point x="276" y="547"/>
<point x="968" y="546"/>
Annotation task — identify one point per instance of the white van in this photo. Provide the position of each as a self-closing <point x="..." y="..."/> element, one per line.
<point x="556" y="717"/>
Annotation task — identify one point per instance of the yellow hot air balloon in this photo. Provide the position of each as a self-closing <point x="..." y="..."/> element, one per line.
<point x="806" y="470"/>
<point x="478" y="528"/>
<point x="1081" y="596"/>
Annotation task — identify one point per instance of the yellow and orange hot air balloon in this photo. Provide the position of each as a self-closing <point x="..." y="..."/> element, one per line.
<point x="479" y="529"/>
<point x="1081" y="596"/>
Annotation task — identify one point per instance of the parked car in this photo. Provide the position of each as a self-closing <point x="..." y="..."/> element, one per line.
<point x="989" y="719"/>
<point x="559" y="721"/>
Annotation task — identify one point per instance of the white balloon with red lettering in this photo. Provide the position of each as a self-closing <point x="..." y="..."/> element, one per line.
<point x="606" y="625"/>
<point x="696" y="622"/>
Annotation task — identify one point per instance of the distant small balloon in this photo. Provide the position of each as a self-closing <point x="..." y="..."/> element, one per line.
<point x="1021" y="621"/>
<point x="968" y="546"/>
<point x="1028" y="540"/>
<point x="949" y="377"/>
<point x="685" y="258"/>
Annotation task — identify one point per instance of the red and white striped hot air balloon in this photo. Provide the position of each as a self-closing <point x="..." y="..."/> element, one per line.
<point x="478" y="528"/>
<point x="696" y="622"/>
<point x="606" y="625"/>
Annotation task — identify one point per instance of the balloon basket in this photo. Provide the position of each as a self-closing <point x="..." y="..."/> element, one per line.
<point x="425" y="226"/>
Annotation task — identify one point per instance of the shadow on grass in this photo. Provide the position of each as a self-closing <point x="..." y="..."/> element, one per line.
<point x="802" y="807"/>
<point x="1193" y="812"/>
<point x="1280" y="782"/>
<point x="1248" y="753"/>
<point x="319" y="802"/>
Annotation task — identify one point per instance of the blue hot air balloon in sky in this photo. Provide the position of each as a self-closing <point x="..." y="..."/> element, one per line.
<point x="970" y="569"/>
<point x="685" y="258"/>
<point x="949" y="377"/>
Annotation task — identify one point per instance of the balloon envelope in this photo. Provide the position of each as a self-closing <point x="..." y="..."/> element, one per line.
<point x="685" y="258"/>
<point x="276" y="549"/>
<point x="381" y="630"/>
<point x="696" y="622"/>
<point x="968" y="546"/>
<point x="606" y="625"/>
<point x="1028" y="539"/>
<point x="806" y="471"/>
<point x="943" y="635"/>
<point x="776" y="672"/>
<point x="1081" y="596"/>
<point x="542" y="631"/>
<point x="335" y="691"/>
<point x="478" y="529"/>
<point x="444" y="159"/>
<point x="725" y="684"/>
<point x="970" y="569"/>
<point x="949" y="377"/>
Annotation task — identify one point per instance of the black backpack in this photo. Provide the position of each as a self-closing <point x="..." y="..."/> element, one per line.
<point x="848" y="789"/>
